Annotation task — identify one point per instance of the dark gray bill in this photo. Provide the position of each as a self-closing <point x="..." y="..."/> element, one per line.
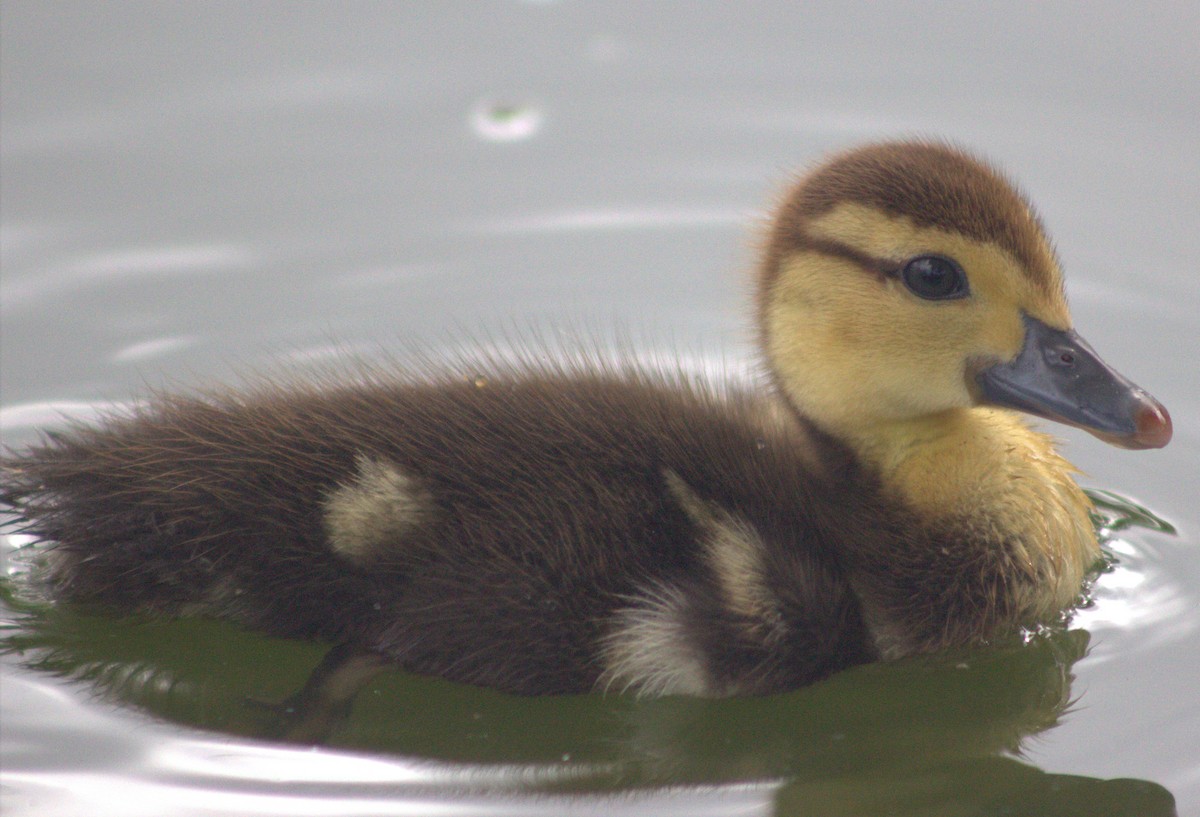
<point x="1060" y="377"/>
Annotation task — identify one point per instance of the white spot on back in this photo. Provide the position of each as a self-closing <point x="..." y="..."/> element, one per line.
<point x="648" y="650"/>
<point x="734" y="552"/>
<point x="381" y="504"/>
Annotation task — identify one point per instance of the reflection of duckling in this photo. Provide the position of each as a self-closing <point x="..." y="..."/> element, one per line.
<point x="561" y="529"/>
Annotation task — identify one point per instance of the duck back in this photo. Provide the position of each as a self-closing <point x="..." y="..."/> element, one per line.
<point x="534" y="531"/>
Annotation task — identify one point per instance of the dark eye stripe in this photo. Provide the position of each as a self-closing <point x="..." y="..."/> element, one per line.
<point x="884" y="268"/>
<point x="880" y="267"/>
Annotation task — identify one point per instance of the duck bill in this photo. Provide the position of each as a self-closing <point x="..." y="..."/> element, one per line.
<point x="1057" y="375"/>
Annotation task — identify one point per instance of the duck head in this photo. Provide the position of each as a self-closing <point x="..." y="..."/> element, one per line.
<point x="905" y="280"/>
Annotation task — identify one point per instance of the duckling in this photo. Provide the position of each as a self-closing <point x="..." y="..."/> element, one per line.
<point x="560" y="528"/>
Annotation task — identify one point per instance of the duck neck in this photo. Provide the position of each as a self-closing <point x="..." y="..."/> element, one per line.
<point x="990" y="485"/>
<point x="945" y="462"/>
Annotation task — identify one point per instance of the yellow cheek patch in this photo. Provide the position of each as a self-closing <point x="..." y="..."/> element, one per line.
<point x="850" y="351"/>
<point x="853" y="346"/>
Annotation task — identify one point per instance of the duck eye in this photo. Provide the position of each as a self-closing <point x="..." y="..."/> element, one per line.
<point x="934" y="278"/>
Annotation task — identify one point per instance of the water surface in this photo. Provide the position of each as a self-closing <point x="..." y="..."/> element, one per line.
<point x="190" y="191"/>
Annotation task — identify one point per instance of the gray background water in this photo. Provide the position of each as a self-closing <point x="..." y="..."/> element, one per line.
<point x="187" y="190"/>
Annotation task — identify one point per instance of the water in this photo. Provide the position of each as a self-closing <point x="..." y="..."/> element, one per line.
<point x="190" y="190"/>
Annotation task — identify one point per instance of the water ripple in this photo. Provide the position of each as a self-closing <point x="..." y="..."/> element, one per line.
<point x="151" y="770"/>
<point x="153" y="349"/>
<point x="37" y="415"/>
<point x="106" y="268"/>
<point x="631" y="218"/>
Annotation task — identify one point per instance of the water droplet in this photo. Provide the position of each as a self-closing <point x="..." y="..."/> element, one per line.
<point x="506" y="121"/>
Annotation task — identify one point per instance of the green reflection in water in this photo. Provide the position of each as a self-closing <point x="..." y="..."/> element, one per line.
<point x="1114" y="513"/>
<point x="928" y="736"/>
